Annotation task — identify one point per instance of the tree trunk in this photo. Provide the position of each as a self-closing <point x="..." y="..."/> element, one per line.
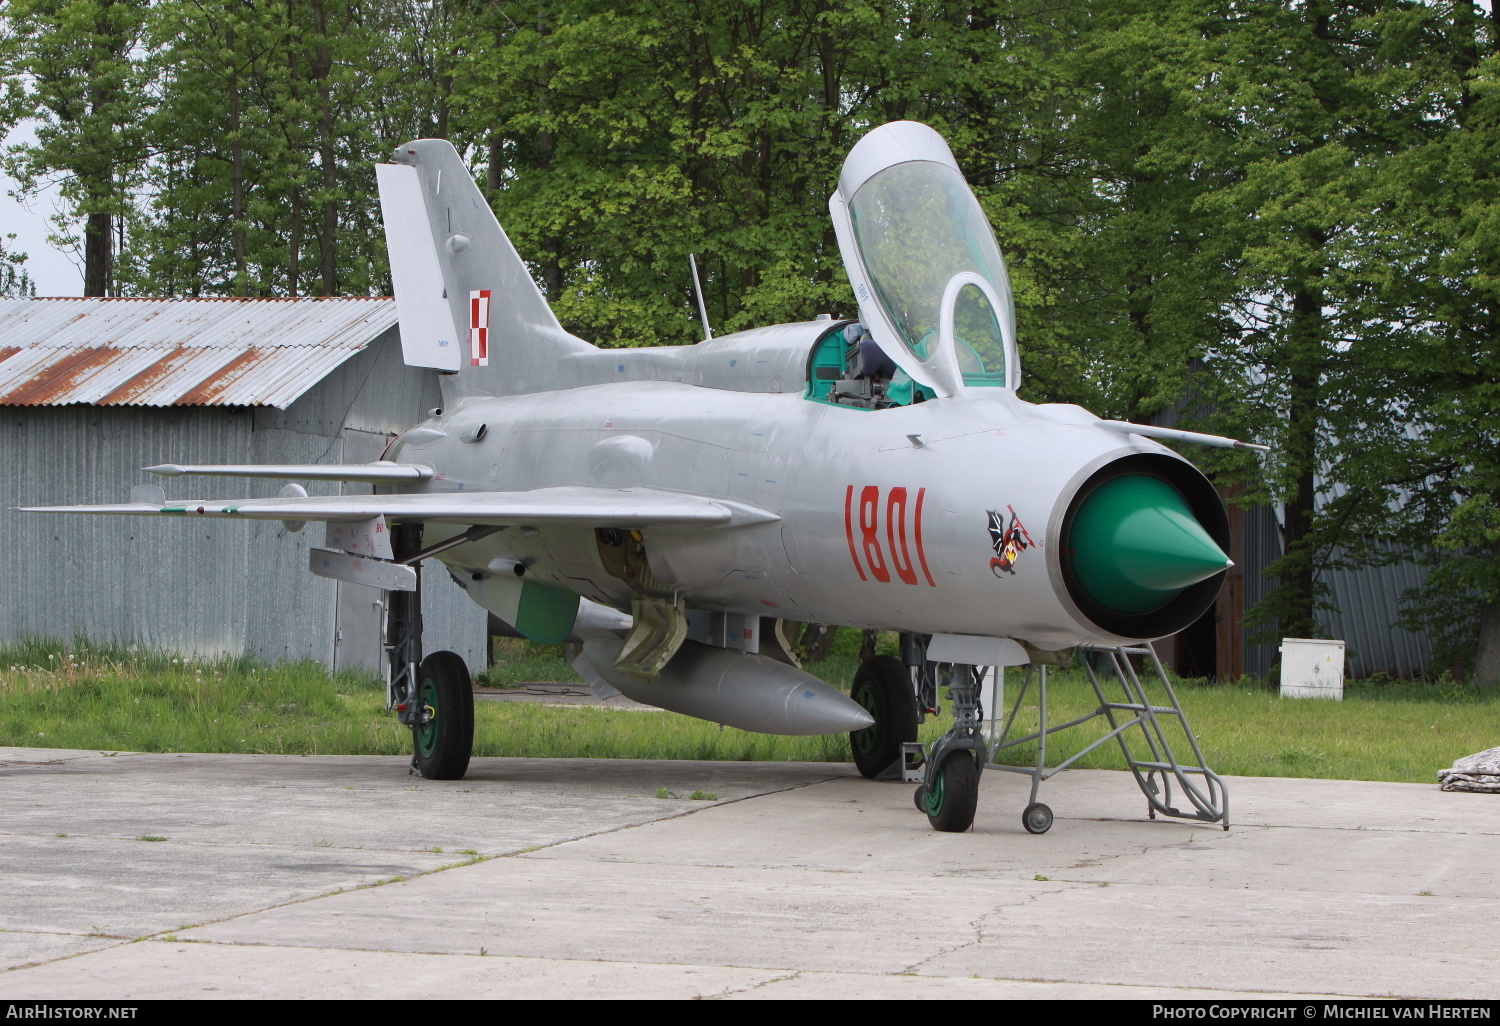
<point x="1296" y="580"/>
<point x="867" y="640"/>
<point x="495" y="169"/>
<point x="546" y="144"/>
<point x="236" y="169"/>
<point x="1304" y="354"/>
<point x="99" y="179"/>
<point x="817" y="641"/>
<point x="98" y="254"/>
<point x="328" y="232"/>
<point x="445" y="93"/>
<point x="552" y="275"/>
<point x="1487" y="662"/>
<point x="294" y="243"/>
<point x="294" y="144"/>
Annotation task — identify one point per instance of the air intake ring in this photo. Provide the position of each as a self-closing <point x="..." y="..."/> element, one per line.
<point x="1131" y="596"/>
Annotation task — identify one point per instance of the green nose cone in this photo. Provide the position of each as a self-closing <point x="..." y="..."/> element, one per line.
<point x="1136" y="545"/>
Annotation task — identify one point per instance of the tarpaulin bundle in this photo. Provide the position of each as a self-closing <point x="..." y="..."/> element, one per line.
<point x="1479" y="772"/>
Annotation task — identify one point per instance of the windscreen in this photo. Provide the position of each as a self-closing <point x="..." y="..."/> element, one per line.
<point x="917" y="225"/>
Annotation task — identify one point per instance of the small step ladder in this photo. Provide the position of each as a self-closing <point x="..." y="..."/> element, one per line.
<point x="1156" y="772"/>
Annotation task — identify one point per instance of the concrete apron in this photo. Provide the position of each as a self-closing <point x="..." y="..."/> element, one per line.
<point x="798" y="880"/>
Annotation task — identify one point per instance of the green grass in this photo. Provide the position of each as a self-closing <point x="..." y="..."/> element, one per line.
<point x="97" y="697"/>
<point x="54" y="695"/>
<point x="518" y="662"/>
<point x="1391" y="731"/>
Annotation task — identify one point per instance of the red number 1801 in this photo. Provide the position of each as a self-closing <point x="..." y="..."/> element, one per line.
<point x="863" y="512"/>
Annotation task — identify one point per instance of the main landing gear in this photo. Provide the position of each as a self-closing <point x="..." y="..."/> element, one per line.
<point x="883" y="686"/>
<point x="433" y="696"/>
<point x="443" y="735"/>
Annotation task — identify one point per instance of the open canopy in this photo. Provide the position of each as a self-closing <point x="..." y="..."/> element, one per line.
<point x="926" y="270"/>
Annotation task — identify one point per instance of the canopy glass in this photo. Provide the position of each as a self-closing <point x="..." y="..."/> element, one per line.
<point x="916" y="225"/>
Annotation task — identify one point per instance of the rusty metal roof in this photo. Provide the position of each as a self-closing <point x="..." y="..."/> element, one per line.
<point x="179" y="352"/>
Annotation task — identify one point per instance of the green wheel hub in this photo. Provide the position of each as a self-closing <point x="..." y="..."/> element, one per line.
<point x="933" y="799"/>
<point x="427" y="733"/>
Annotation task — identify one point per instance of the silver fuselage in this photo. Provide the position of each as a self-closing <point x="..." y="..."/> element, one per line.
<point x="879" y="529"/>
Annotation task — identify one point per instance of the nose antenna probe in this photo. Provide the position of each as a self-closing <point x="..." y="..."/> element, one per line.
<point x="698" y="291"/>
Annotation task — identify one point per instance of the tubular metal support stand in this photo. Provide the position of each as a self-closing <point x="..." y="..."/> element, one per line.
<point x="1158" y="770"/>
<point x="403" y="642"/>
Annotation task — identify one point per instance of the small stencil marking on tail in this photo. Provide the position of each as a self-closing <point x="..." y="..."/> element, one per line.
<point x="479" y="328"/>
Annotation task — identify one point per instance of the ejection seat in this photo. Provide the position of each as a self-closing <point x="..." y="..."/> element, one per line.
<point x="849" y="368"/>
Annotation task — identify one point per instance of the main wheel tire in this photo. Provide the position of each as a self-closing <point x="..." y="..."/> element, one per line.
<point x="883" y="686"/>
<point x="442" y="746"/>
<point x="954" y="794"/>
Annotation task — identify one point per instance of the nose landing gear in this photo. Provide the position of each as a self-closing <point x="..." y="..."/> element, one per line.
<point x="949" y="792"/>
<point x="1150" y="727"/>
<point x="952" y="799"/>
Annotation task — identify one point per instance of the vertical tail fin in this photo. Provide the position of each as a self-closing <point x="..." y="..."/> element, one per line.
<point x="466" y="302"/>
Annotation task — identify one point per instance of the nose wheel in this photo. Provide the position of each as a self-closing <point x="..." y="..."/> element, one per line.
<point x="950" y="767"/>
<point x="953" y="796"/>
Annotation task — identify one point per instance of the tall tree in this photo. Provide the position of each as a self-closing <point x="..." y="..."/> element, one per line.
<point x="79" y="68"/>
<point x="623" y="136"/>
<point x="1283" y="133"/>
<point x="1437" y="339"/>
<point x="270" y="119"/>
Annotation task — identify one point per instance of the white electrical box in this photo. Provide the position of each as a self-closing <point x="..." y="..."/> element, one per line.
<point x="1311" y="668"/>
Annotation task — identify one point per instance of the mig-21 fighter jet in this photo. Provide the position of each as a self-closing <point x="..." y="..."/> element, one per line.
<point x="672" y="509"/>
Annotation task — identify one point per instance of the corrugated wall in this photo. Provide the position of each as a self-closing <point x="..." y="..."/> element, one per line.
<point x="1366" y="604"/>
<point x="1262" y="547"/>
<point x="206" y="587"/>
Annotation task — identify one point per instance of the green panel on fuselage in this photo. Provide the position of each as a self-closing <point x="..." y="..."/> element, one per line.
<point x="546" y="614"/>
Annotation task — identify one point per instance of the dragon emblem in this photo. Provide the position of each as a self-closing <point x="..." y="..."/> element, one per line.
<point x="1009" y="539"/>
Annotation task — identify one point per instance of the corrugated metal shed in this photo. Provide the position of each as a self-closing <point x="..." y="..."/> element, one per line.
<point x="200" y="588"/>
<point x="179" y="352"/>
